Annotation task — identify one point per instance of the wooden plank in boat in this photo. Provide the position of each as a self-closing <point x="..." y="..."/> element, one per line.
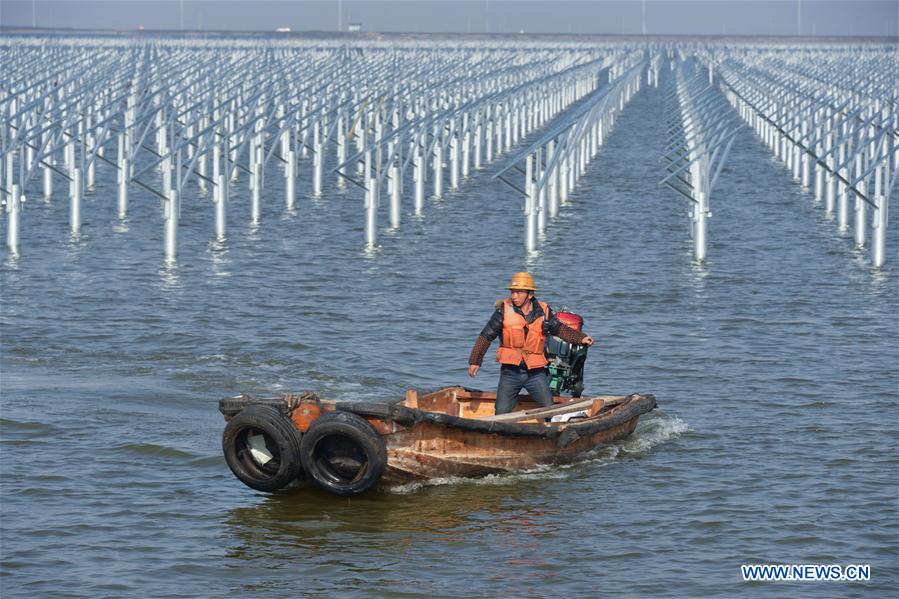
<point x="578" y="415"/>
<point x="596" y="408"/>
<point x="583" y="404"/>
<point x="488" y="396"/>
<point x="411" y="398"/>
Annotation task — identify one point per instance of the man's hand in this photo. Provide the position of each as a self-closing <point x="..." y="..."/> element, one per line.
<point x="588" y="341"/>
<point x="473" y="369"/>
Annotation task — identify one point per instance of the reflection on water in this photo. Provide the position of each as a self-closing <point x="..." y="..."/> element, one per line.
<point x="218" y="254"/>
<point x="320" y="522"/>
<point x="254" y="230"/>
<point x="370" y="252"/>
<point x="13" y="262"/>
<point x="169" y="277"/>
<point x="532" y="258"/>
<point x="122" y="226"/>
<point x="77" y="242"/>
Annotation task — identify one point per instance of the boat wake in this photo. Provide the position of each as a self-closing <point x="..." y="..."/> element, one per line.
<point x="651" y="432"/>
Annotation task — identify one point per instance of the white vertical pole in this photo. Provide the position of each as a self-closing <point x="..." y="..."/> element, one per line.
<point x="341" y="149"/>
<point x="438" y="169"/>
<point x="371" y="212"/>
<point x="478" y="138"/>
<point x="221" y="203"/>
<point x="291" y="179"/>
<point x="285" y="136"/>
<point x="819" y="183"/>
<point x="13" y="208"/>
<point x="166" y="175"/>
<point x="541" y="192"/>
<point x="553" y="180"/>
<point x="700" y="227"/>
<point x="395" y="205"/>
<point x="805" y="157"/>
<point x="830" y="196"/>
<point x="201" y="169"/>
<point x="571" y="167"/>
<point x="91" y="169"/>
<point x="255" y="207"/>
<point x="843" y="203"/>
<point x="318" y="160"/>
<point x="530" y="212"/>
<point x="48" y="182"/>
<point x="829" y="182"/>
<point x="171" y="215"/>
<point x="454" y="162"/>
<point x="124" y="177"/>
<point x="360" y="146"/>
<point x="75" y="203"/>
<point x="881" y="197"/>
<point x="489" y="140"/>
<point x="466" y="153"/>
<point x="418" y="176"/>
<point x="216" y="162"/>
<point x="861" y="212"/>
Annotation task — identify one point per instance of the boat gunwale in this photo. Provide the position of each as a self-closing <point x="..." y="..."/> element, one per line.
<point x="634" y="406"/>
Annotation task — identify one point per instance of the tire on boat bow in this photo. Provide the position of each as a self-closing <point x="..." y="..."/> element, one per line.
<point x="262" y="448"/>
<point x="342" y="453"/>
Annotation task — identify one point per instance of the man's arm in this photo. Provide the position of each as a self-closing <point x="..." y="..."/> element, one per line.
<point x="491" y="331"/>
<point x="565" y="332"/>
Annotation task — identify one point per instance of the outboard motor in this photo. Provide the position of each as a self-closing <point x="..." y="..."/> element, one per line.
<point x="566" y="361"/>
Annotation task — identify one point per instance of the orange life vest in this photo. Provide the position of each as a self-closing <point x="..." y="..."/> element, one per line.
<point x="516" y="345"/>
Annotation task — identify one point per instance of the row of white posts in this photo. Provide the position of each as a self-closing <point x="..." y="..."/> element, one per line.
<point x="555" y="162"/>
<point x="702" y="131"/>
<point x="843" y="143"/>
<point x="471" y="137"/>
<point x="173" y="108"/>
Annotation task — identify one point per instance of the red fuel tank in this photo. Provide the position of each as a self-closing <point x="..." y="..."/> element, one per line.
<point x="570" y="319"/>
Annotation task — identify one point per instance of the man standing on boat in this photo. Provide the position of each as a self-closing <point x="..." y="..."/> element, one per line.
<point x="523" y="322"/>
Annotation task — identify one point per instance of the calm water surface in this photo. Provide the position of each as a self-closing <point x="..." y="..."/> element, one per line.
<point x="774" y="365"/>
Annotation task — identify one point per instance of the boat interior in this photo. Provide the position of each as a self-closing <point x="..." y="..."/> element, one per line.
<point x="481" y="405"/>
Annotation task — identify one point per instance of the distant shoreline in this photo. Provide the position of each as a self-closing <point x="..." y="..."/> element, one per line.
<point x="409" y="36"/>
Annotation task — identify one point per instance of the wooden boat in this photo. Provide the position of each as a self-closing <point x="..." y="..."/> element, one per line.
<point x="348" y="447"/>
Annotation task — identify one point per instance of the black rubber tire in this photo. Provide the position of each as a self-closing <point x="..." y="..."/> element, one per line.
<point x="282" y="439"/>
<point x="232" y="406"/>
<point x="342" y="453"/>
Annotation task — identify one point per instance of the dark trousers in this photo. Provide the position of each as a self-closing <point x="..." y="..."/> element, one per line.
<point x="513" y="378"/>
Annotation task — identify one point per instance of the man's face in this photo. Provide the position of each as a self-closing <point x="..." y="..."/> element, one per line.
<point x="520" y="298"/>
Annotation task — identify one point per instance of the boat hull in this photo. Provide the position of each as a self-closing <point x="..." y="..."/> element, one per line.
<point x="429" y="450"/>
